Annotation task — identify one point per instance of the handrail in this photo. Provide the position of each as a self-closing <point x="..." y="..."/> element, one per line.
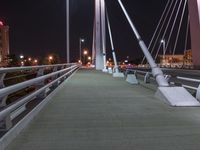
<point x="13" y="88"/>
<point x="139" y="71"/>
<point x="188" y="79"/>
<point x="190" y="87"/>
<point x="10" y="108"/>
<point x="13" y="69"/>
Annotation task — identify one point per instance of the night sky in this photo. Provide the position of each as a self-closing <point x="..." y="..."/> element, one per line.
<point x="38" y="27"/>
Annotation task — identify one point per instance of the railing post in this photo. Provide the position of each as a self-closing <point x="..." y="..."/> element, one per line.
<point x="42" y="95"/>
<point x="54" y="77"/>
<point x="6" y="123"/>
<point x="147" y="78"/>
<point x="62" y="74"/>
<point x="198" y="93"/>
<point x="135" y="73"/>
<point x="167" y="78"/>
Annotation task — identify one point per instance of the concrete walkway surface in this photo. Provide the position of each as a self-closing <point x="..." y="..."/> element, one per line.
<point x="94" y="111"/>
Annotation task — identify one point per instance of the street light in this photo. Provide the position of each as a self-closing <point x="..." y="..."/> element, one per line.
<point x="89" y="58"/>
<point x="21" y="56"/>
<point x="50" y="59"/>
<point x="164" y="48"/>
<point x="35" y="61"/>
<point x="85" y="52"/>
<point x="81" y="40"/>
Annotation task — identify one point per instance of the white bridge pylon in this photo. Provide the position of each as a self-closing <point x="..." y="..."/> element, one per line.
<point x="175" y="96"/>
<point x="99" y="42"/>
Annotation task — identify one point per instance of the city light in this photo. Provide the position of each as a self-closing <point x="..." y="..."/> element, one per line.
<point x="21" y="56"/>
<point x="50" y="57"/>
<point x="35" y="61"/>
<point x="89" y="58"/>
<point x="29" y="59"/>
<point x="1" y="23"/>
<point x="22" y="63"/>
<point x="85" y="52"/>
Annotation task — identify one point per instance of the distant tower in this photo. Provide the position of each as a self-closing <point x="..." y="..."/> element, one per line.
<point x="4" y="43"/>
<point x="194" y="13"/>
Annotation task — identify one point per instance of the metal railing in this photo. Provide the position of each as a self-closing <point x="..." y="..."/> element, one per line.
<point x="148" y="76"/>
<point x="197" y="89"/>
<point x="11" y="111"/>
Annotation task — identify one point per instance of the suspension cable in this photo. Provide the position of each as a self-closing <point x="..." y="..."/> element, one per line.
<point x="166" y="27"/>
<point x="180" y="24"/>
<point x="157" y="28"/>
<point x="153" y="48"/>
<point x="170" y="7"/>
<point x="172" y="29"/>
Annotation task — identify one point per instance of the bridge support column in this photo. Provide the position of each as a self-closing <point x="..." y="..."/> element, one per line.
<point x="98" y="38"/>
<point x="194" y="13"/>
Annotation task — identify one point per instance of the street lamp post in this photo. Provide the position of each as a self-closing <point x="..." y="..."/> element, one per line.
<point x="80" y="47"/>
<point x="164" y="48"/>
<point x="67" y="31"/>
<point x="50" y="59"/>
<point x="85" y="52"/>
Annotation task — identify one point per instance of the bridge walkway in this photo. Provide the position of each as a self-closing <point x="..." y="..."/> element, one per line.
<point x="94" y="111"/>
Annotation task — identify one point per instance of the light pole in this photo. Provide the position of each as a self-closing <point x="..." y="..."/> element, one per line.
<point x="21" y="59"/>
<point x="85" y="52"/>
<point x="67" y="31"/>
<point x="50" y="59"/>
<point x="81" y="40"/>
<point x="164" y="48"/>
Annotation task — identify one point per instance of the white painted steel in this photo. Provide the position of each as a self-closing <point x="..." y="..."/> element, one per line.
<point x="4" y="112"/>
<point x="157" y="73"/>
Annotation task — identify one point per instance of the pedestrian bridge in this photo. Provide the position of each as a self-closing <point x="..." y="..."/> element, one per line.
<point x="94" y="111"/>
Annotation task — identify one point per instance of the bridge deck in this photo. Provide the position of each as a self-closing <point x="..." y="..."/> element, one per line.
<point x="94" y="111"/>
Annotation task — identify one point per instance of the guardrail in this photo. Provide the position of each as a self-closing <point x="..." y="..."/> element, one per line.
<point x="148" y="76"/>
<point x="197" y="89"/>
<point x="11" y="111"/>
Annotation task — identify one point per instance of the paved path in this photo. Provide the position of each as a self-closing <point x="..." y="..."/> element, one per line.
<point x="94" y="111"/>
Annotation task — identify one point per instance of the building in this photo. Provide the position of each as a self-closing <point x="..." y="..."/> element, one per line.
<point x="4" y="44"/>
<point x="180" y="60"/>
<point x="188" y="58"/>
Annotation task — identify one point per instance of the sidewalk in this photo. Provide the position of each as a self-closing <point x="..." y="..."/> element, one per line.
<point x="94" y="111"/>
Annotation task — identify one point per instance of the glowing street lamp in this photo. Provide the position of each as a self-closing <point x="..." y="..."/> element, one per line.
<point x="29" y="59"/>
<point x="81" y="40"/>
<point x="164" y="48"/>
<point x="36" y="61"/>
<point x="50" y="58"/>
<point x="22" y="63"/>
<point x="1" y="23"/>
<point x="85" y="52"/>
<point x="21" y="56"/>
<point x="89" y="58"/>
